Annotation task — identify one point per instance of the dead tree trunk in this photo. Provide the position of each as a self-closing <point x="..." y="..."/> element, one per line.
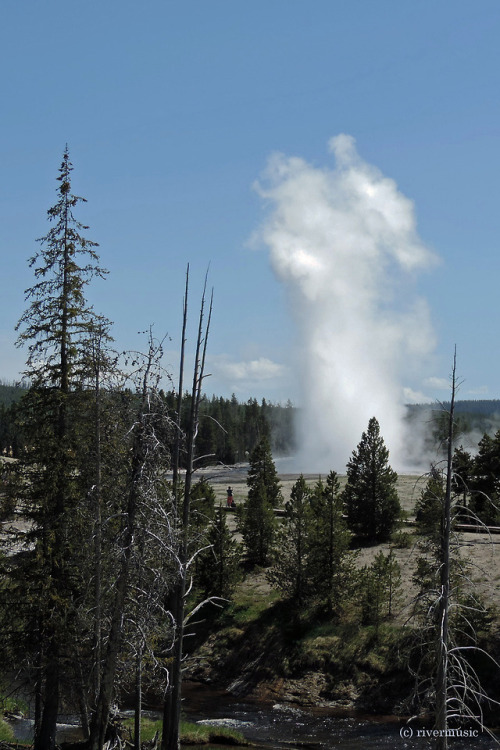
<point x="97" y="362"/>
<point x="105" y="697"/>
<point x="172" y="706"/>
<point x="444" y="601"/>
<point x="177" y="442"/>
<point x="107" y="682"/>
<point x="138" y="699"/>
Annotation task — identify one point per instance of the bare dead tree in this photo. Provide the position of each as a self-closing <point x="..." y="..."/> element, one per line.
<point x="172" y="705"/>
<point x="102" y="371"/>
<point x="454" y="685"/>
<point x="178" y="433"/>
<point x="148" y="628"/>
<point x="443" y="644"/>
<point x="143" y="467"/>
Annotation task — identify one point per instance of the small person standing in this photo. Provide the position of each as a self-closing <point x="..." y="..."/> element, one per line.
<point x="230" y="499"/>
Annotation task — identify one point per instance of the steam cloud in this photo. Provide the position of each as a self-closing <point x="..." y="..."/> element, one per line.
<point x="343" y="240"/>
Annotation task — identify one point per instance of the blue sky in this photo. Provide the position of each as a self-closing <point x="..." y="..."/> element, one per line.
<point x="172" y="110"/>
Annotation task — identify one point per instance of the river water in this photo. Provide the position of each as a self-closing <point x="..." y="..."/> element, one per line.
<point x="286" y="727"/>
<point x="283" y="726"/>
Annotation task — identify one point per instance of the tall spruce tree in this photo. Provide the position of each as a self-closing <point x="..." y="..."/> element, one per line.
<point x="258" y="525"/>
<point x="463" y="469"/>
<point x="289" y="573"/>
<point x="219" y="569"/>
<point x="380" y="588"/>
<point x="429" y="506"/>
<point x="55" y="327"/>
<point x="485" y="480"/>
<point x="370" y="495"/>
<point x="331" y="562"/>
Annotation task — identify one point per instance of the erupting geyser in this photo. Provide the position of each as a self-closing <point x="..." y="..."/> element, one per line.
<point x="344" y="242"/>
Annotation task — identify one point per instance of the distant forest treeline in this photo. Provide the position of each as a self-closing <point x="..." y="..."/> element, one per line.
<point x="9" y="394"/>
<point x="473" y="418"/>
<point x="10" y="433"/>
<point x="475" y="407"/>
<point x="229" y="429"/>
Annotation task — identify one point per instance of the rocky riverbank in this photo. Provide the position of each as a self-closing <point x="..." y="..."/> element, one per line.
<point x="258" y="650"/>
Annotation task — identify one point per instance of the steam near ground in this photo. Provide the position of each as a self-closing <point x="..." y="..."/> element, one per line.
<point x="343" y="240"/>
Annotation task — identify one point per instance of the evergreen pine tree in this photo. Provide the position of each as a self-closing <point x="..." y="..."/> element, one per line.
<point x="331" y="563"/>
<point x="485" y="480"/>
<point x="219" y="565"/>
<point x="463" y="468"/>
<point x="202" y="504"/>
<point x="289" y="572"/>
<point x="56" y="327"/>
<point x="258" y="523"/>
<point x="370" y="495"/>
<point x="380" y="588"/>
<point x="429" y="506"/>
<point x="202" y="514"/>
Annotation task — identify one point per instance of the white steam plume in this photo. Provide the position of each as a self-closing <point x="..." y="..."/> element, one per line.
<point x="344" y="242"/>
